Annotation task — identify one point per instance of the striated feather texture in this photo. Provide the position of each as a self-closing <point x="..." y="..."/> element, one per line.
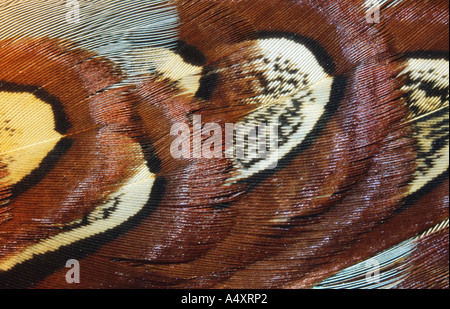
<point x="224" y="144"/>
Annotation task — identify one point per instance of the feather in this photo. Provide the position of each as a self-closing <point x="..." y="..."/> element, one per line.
<point x="203" y="144"/>
<point x="119" y="31"/>
<point x="388" y="269"/>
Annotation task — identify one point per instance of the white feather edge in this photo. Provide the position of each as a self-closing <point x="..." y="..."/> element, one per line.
<point x="371" y="4"/>
<point x="392" y="264"/>
<point x="132" y="197"/>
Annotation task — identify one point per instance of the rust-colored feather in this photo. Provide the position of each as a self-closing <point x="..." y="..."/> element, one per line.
<point x="114" y="148"/>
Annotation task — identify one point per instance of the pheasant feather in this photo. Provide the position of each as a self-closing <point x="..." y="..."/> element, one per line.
<point x="272" y="144"/>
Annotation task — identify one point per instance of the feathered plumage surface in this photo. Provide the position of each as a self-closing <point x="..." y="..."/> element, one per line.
<point x="121" y="147"/>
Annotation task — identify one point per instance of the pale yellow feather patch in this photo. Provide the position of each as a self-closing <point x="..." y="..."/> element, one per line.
<point x="172" y="66"/>
<point x="27" y="133"/>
